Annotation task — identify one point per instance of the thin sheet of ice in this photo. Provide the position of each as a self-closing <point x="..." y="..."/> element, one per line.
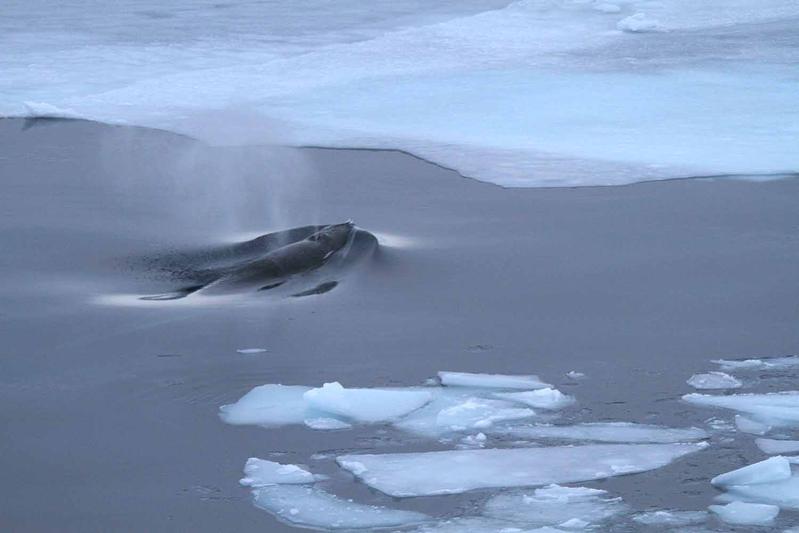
<point x="554" y="505"/>
<point x="747" y="514"/>
<point x="773" y="446"/>
<point x="260" y="473"/>
<point x="714" y="380"/>
<point x="670" y="518"/>
<point x="610" y="432"/>
<point x="315" y="508"/>
<point x="411" y="474"/>
<point x="491" y="381"/>
<point x="548" y="398"/>
<point x="775" y="409"/>
<point x="758" y="364"/>
<point x="365" y="405"/>
<point x="575" y="98"/>
<point x="770" y="470"/>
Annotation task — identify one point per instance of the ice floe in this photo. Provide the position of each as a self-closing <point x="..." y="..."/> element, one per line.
<point x="773" y="446"/>
<point x="365" y="405"/>
<point x="555" y="505"/>
<point x="251" y="351"/>
<point x="409" y="474"/>
<point x="548" y="398"/>
<point x="670" y="518"/>
<point x="714" y="380"/>
<point x="750" y="514"/>
<point x="758" y="364"/>
<point x="314" y="508"/>
<point x="772" y="409"/>
<point x="768" y="471"/>
<point x="574" y="374"/>
<point x="784" y="493"/>
<point x="753" y="427"/>
<point x="260" y="473"/>
<point x="268" y="405"/>
<point x="491" y="381"/>
<point x="610" y="432"/>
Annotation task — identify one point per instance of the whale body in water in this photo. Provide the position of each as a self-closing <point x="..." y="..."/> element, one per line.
<point x="270" y="261"/>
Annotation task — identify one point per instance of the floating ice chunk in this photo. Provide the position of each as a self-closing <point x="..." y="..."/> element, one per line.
<point x="479" y="413"/>
<point x="326" y="423"/>
<point x="542" y="398"/>
<point x="555" y="505"/>
<point x="772" y="446"/>
<point x="772" y="469"/>
<point x="268" y="405"/>
<point x="251" y="351"/>
<point x="714" y="380"/>
<point x="314" y="508"/>
<point x="45" y="110"/>
<point x="750" y="514"/>
<point x="783" y="493"/>
<point x="753" y="427"/>
<point x="575" y="375"/>
<point x="758" y="364"/>
<point x="491" y="381"/>
<point x="639" y="23"/>
<point x="409" y="474"/>
<point x="365" y="405"/>
<point x="260" y="473"/>
<point x="774" y="409"/>
<point x="611" y="432"/>
<point x="671" y="518"/>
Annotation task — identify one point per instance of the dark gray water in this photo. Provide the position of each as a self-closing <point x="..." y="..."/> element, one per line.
<point x="109" y="403"/>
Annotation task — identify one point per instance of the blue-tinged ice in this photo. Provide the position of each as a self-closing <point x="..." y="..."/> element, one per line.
<point x="764" y="363"/>
<point x="746" y="514"/>
<point x="268" y="405"/>
<point x="261" y="473"/>
<point x="555" y="505"/>
<point x="770" y="470"/>
<point x="365" y="405"/>
<point x="314" y="508"/>
<point x="549" y="398"/>
<point x="609" y="432"/>
<point x="669" y="518"/>
<point x="773" y="446"/>
<point x="770" y="409"/>
<point x="409" y="474"/>
<point x="491" y="381"/>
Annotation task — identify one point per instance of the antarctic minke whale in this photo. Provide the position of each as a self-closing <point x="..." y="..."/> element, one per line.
<point x="267" y="262"/>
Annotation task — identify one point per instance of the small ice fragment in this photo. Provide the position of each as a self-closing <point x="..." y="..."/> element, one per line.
<point x="250" y="351"/>
<point x="639" y="23"/>
<point x="548" y="398"/>
<point x="773" y="469"/>
<point x="365" y="405"/>
<point x="610" y="432"/>
<point x="569" y="507"/>
<point x="491" y="381"/>
<point x="326" y="423"/>
<point x="474" y="441"/>
<point x="670" y="518"/>
<point x="314" y="508"/>
<point x="714" y="380"/>
<point x="772" y="446"/>
<point x="753" y="427"/>
<point x="409" y="474"/>
<point x="575" y="375"/>
<point x="755" y="364"/>
<point x="260" y="473"/>
<point x="749" y="514"/>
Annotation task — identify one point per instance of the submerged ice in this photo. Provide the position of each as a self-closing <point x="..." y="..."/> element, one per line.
<point x="409" y="474"/>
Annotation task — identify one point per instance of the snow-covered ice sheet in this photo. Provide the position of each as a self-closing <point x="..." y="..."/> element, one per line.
<point x="411" y="474"/>
<point x="554" y="505"/>
<point x="610" y="432"/>
<point x="714" y="380"/>
<point x="773" y="409"/>
<point x="491" y="381"/>
<point x="748" y="514"/>
<point x="315" y="508"/>
<point x="768" y="471"/>
<point x="773" y="446"/>
<point x="579" y="92"/>
<point x="548" y="398"/>
<point x="260" y="473"/>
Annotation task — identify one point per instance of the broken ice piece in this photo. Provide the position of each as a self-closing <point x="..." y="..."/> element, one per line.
<point x="491" y="381"/>
<point x="749" y="514"/>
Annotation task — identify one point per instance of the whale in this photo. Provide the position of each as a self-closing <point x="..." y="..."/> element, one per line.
<point x="276" y="265"/>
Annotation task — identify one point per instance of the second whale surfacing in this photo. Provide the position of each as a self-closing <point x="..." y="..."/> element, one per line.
<point x="270" y="261"/>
